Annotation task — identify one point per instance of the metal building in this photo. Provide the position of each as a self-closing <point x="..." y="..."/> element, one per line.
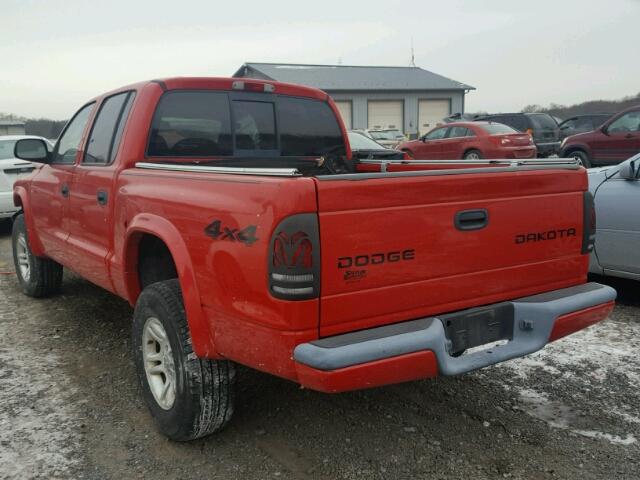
<point x="407" y="98"/>
<point x="11" y="127"/>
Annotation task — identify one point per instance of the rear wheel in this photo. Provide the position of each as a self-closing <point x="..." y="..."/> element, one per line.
<point x="189" y="397"/>
<point x="472" y="155"/>
<point x="38" y="276"/>
<point x="581" y="157"/>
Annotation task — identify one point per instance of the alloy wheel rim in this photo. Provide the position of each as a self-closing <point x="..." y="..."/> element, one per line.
<point x="24" y="262"/>
<point x="159" y="365"/>
<point x="473" y="156"/>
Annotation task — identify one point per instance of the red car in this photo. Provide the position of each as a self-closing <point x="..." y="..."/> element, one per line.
<point x="615" y="141"/>
<point x="471" y="141"/>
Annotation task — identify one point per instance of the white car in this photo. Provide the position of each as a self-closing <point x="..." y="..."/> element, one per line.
<point x="388" y="138"/>
<point x="10" y="170"/>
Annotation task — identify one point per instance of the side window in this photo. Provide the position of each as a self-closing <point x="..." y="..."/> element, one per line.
<point x="69" y="142"/>
<point x="254" y="125"/>
<point x="436" y="134"/>
<point x="191" y="124"/>
<point x="101" y="138"/>
<point x="456" y="132"/>
<point x="629" y="122"/>
<point x="470" y="133"/>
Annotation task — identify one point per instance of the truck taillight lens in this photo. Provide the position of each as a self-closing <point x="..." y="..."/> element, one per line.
<point x="589" y="219"/>
<point x="294" y="259"/>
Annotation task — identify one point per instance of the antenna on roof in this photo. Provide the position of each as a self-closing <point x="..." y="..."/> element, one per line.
<point x="412" y="63"/>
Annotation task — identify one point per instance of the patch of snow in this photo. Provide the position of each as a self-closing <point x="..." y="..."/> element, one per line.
<point x="37" y="423"/>
<point x="560" y="416"/>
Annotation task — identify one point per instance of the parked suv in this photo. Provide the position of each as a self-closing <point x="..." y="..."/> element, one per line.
<point x="616" y="140"/>
<point x="541" y="126"/>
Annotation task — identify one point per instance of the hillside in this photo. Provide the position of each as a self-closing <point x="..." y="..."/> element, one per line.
<point x="42" y="127"/>
<point x="592" y="106"/>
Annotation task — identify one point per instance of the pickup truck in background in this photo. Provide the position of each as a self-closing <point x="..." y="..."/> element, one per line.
<point x="230" y="214"/>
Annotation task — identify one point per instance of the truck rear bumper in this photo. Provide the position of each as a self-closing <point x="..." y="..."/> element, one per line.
<point x="422" y="348"/>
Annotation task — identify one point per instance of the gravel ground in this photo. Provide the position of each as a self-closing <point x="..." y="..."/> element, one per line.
<point x="70" y="407"/>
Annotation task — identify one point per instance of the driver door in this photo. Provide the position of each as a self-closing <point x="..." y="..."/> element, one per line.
<point x="432" y="145"/>
<point x="49" y="196"/>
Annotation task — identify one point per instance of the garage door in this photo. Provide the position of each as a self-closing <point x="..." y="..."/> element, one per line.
<point x="385" y="114"/>
<point x="344" y="107"/>
<point x="431" y="113"/>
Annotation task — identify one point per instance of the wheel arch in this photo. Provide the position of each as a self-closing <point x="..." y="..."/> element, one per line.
<point x="21" y="200"/>
<point x="144" y="227"/>
<point x="567" y="150"/>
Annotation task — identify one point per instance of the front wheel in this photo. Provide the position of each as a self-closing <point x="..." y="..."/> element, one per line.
<point x="189" y="397"/>
<point x="472" y="155"/>
<point x="581" y="157"/>
<point x="38" y="276"/>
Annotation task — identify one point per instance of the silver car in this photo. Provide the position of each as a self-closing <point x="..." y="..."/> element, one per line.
<point x="616" y="191"/>
<point x="10" y="170"/>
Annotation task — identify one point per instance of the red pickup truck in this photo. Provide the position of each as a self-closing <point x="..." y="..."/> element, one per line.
<point x="230" y="213"/>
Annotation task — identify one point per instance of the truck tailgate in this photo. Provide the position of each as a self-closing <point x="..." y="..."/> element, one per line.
<point x="396" y="247"/>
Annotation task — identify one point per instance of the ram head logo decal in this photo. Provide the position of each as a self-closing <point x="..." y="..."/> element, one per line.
<point x="292" y="251"/>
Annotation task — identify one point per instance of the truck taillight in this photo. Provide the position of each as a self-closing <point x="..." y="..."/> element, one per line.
<point x="294" y="258"/>
<point x="589" y="220"/>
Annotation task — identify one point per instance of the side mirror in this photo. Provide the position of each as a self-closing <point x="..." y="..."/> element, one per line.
<point x="32" y="150"/>
<point x="629" y="170"/>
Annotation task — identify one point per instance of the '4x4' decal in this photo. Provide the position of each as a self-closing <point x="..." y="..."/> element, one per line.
<point x="217" y="231"/>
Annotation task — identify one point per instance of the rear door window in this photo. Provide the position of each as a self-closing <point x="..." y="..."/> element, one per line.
<point x="456" y="132"/>
<point x="102" y="138"/>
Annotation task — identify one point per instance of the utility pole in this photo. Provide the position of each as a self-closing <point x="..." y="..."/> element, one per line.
<point x="412" y="63"/>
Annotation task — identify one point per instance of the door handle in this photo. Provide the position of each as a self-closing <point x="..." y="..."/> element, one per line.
<point x="102" y="197"/>
<point x="471" y="219"/>
<point x="65" y="190"/>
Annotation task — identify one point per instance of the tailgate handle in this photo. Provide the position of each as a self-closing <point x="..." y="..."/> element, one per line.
<point x="471" y="219"/>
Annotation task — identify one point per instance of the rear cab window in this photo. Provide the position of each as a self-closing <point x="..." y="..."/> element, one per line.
<point x="223" y="124"/>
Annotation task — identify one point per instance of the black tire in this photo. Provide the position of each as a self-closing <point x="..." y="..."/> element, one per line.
<point x="582" y="157"/>
<point x="44" y="276"/>
<point x="204" y="389"/>
<point x="473" y="155"/>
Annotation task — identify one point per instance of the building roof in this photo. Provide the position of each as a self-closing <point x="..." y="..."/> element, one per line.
<point x="11" y="123"/>
<point x="349" y="77"/>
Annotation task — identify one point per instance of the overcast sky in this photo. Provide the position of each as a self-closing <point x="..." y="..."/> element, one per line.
<point x="54" y="54"/>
